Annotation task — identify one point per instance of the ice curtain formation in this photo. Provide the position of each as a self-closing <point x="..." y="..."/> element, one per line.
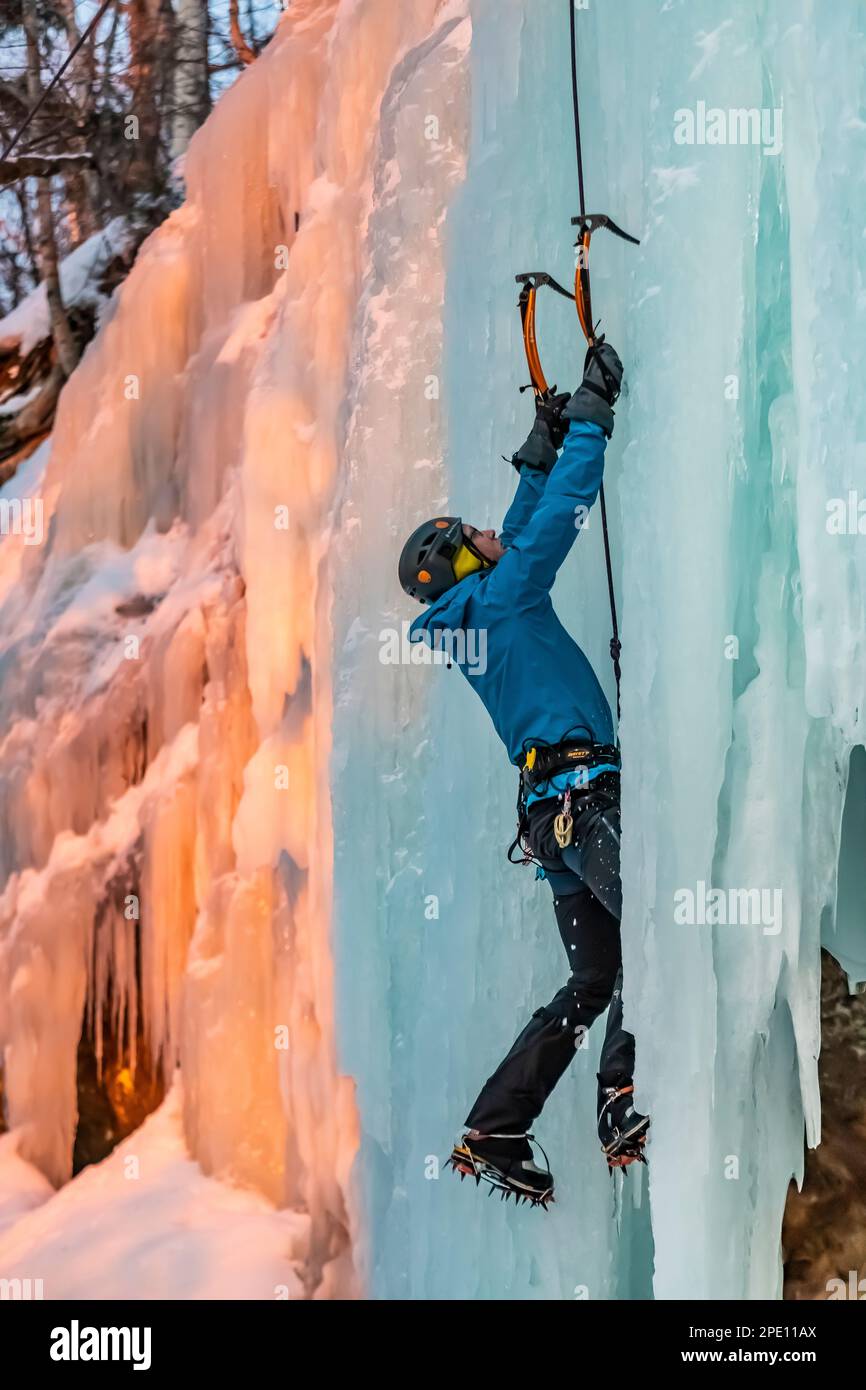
<point x="204" y="751"/>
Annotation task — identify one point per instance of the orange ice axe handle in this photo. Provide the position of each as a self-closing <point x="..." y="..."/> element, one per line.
<point x="530" y="282"/>
<point x="587" y="223"/>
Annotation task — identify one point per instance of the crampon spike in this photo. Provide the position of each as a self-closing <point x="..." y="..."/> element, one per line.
<point x="623" y="1161"/>
<point x="467" y="1164"/>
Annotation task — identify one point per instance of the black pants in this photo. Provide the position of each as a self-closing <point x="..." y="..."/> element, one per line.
<point x="588" y="921"/>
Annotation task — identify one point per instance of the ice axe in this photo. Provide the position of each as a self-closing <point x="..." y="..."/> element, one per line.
<point x="587" y="223"/>
<point x="531" y="281"/>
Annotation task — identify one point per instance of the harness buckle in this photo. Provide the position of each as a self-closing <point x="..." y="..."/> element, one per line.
<point x="563" y="826"/>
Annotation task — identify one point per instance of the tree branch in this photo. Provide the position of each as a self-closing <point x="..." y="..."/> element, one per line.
<point x="41" y="166"/>
<point x="241" y="47"/>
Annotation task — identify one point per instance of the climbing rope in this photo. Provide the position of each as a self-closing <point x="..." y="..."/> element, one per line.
<point x="582" y="298"/>
<point x="531" y="281"/>
<point x="576" y="107"/>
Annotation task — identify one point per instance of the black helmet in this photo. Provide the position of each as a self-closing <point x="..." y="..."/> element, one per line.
<point x="426" y="562"/>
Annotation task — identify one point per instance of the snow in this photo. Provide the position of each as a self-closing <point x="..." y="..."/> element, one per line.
<point x="172" y="1234"/>
<point x="28" y="323"/>
<point x="22" y="1187"/>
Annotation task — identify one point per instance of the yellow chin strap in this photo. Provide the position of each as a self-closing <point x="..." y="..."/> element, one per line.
<point x="465" y="562"/>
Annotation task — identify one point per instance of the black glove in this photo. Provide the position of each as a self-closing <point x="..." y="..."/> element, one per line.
<point x="545" y="439"/>
<point x="599" y="391"/>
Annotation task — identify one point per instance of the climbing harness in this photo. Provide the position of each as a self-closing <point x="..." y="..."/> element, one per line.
<point x="587" y="223"/>
<point x="543" y="761"/>
<point x="520" y="840"/>
<point x="540" y="763"/>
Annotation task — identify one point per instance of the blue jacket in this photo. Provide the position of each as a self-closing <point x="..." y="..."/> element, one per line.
<point x="533" y="678"/>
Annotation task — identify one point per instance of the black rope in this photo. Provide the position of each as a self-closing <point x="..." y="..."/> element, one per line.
<point x="615" y="644"/>
<point x="34" y="110"/>
<point x="576" y="107"/>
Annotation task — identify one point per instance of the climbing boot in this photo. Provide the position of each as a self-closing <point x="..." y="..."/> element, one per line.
<point x="506" y="1162"/>
<point x="621" y="1129"/>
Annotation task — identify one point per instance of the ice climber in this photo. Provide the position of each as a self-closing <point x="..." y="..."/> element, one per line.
<point x="550" y="711"/>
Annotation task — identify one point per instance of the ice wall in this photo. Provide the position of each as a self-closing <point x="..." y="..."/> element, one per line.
<point x="442" y="949"/>
<point x="737" y="767"/>
<point x="165" y="672"/>
<point x="742" y="620"/>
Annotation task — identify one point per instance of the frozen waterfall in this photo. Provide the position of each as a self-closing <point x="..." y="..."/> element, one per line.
<point x="250" y="853"/>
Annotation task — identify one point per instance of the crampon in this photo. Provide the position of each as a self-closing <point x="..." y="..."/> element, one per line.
<point x="627" y="1154"/>
<point x="505" y="1162"/>
<point x="621" y="1129"/>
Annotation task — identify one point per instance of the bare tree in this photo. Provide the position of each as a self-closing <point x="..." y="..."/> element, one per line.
<point x="81" y="184"/>
<point x="191" y="95"/>
<point x="148" y="57"/>
<point x="64" y="342"/>
<point x="129" y="97"/>
<point x="26" y="219"/>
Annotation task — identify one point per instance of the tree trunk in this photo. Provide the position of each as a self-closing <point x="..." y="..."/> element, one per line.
<point x="82" y="186"/>
<point x="191" y="95"/>
<point x="27" y="229"/>
<point x="64" y="342"/>
<point x="145" y="33"/>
